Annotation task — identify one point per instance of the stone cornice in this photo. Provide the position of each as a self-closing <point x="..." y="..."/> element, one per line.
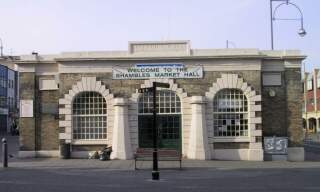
<point x="146" y="58"/>
<point x="35" y="62"/>
<point x="161" y="58"/>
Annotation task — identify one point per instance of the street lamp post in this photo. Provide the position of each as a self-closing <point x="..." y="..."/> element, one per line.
<point x="302" y="32"/>
<point x="153" y="90"/>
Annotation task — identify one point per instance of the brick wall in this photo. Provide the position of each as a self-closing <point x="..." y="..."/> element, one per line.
<point x="125" y="88"/>
<point x="47" y="118"/>
<point x="294" y="107"/>
<point x="27" y="124"/>
<point x="274" y="110"/>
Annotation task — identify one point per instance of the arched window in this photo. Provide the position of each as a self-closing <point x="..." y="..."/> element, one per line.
<point x="230" y="113"/>
<point x="89" y="116"/>
<point x="168" y="119"/>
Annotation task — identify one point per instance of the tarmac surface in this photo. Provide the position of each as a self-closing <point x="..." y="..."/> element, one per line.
<point x="82" y="175"/>
<point x="93" y="175"/>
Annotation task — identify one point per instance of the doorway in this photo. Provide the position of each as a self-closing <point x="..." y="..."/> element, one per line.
<point x="168" y="120"/>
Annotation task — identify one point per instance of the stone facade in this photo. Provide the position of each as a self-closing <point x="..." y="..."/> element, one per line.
<point x="276" y="114"/>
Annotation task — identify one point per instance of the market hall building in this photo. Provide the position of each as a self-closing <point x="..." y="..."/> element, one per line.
<point x="221" y="103"/>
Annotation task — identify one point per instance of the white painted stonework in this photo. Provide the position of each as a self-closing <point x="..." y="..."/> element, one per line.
<point x="198" y="140"/>
<point x="121" y="142"/>
<point x="230" y="154"/>
<point x="86" y="84"/>
<point x="255" y="151"/>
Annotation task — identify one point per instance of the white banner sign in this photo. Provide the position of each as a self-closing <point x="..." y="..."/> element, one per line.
<point x="158" y="71"/>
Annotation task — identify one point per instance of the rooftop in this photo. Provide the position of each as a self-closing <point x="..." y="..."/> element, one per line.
<point x="163" y="49"/>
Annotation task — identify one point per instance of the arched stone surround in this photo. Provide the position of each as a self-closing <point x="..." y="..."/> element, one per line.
<point x="65" y="111"/>
<point x="255" y="151"/>
<point x="185" y="112"/>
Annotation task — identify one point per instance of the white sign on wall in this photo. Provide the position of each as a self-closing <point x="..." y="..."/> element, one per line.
<point x="229" y="104"/>
<point x="271" y="79"/>
<point x="48" y="84"/>
<point x="26" y="108"/>
<point x="158" y="71"/>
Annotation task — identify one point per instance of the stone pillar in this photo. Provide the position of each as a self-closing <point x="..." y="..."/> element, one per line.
<point x="255" y="152"/>
<point x="121" y="144"/>
<point x="198" y="140"/>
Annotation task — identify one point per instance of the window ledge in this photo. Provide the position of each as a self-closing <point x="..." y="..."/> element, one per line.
<point x="230" y="139"/>
<point x="90" y="142"/>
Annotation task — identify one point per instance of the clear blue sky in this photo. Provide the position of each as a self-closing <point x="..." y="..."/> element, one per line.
<point x="54" y="26"/>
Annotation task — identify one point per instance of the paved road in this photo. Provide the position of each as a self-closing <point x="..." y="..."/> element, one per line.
<point x="312" y="150"/>
<point x="189" y="179"/>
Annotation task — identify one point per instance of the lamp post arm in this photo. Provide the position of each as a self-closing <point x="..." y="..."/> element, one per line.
<point x="287" y="3"/>
<point x="302" y="21"/>
<point x="301" y="31"/>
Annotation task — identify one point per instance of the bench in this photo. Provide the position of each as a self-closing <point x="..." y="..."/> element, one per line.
<point x="146" y="154"/>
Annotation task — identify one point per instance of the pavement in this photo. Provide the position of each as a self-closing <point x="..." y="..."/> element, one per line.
<point x="312" y="155"/>
<point x="312" y="160"/>
<point x="53" y="174"/>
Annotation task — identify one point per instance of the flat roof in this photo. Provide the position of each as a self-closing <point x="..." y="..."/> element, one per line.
<point x="163" y="50"/>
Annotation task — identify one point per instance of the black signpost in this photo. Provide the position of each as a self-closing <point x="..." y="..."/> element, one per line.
<point x="153" y="89"/>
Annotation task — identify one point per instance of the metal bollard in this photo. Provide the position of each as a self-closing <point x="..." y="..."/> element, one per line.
<point x="4" y="152"/>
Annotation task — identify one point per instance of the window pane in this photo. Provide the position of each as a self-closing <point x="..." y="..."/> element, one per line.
<point x="89" y="116"/>
<point x="167" y="102"/>
<point x="230" y="113"/>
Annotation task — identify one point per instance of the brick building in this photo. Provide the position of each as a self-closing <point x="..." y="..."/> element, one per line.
<point x="220" y="105"/>
<point x="8" y="95"/>
<point x="311" y="105"/>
